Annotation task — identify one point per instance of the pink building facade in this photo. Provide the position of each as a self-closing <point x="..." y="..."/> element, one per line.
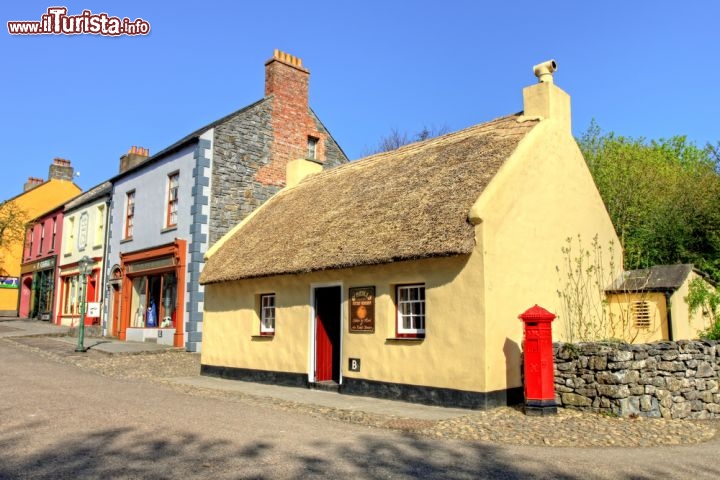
<point x="39" y="269"/>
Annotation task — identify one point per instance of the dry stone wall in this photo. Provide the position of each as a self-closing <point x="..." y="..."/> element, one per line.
<point x="663" y="379"/>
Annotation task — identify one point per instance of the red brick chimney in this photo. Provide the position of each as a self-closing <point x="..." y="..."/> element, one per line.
<point x="295" y="134"/>
<point x="134" y="157"/>
<point x="32" y="183"/>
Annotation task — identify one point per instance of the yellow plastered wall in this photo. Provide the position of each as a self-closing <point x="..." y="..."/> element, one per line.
<point x="686" y="325"/>
<point x="542" y="195"/>
<point x="451" y="355"/>
<point x="623" y="322"/>
<point x="35" y="202"/>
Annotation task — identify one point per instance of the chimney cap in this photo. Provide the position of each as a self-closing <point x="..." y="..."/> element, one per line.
<point x="286" y="58"/>
<point x="142" y="151"/>
<point x="543" y="71"/>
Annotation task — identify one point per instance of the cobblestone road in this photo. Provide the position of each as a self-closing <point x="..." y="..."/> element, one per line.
<point x="501" y="426"/>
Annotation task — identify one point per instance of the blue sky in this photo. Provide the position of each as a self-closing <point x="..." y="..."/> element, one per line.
<point x="639" y="68"/>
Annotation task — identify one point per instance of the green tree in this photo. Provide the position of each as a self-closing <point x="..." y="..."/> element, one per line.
<point x="706" y="300"/>
<point x="12" y="230"/>
<point x="663" y="197"/>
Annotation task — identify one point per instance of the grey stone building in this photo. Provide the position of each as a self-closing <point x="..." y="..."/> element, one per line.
<point x="167" y="209"/>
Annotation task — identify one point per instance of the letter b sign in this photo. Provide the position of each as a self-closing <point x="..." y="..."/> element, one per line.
<point x="354" y="364"/>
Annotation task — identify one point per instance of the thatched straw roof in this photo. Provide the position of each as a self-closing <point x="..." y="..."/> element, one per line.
<point x="405" y="204"/>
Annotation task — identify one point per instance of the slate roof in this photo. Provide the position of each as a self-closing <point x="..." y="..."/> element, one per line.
<point x="656" y="278"/>
<point x="187" y="139"/>
<point x="92" y="194"/>
<point x="409" y="203"/>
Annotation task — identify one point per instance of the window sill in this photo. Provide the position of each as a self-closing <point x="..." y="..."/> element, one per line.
<point x="268" y="336"/>
<point x="126" y="240"/>
<point x="419" y="338"/>
<point x="168" y="229"/>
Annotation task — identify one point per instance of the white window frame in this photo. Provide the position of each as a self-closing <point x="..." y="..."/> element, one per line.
<point x="312" y="144"/>
<point x="99" y="226"/>
<point x="411" y="313"/>
<point x="69" y="234"/>
<point x="129" y="229"/>
<point x="267" y="314"/>
<point x="173" y="199"/>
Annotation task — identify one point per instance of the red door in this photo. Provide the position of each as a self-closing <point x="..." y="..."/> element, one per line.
<point x="327" y="334"/>
<point x="323" y="356"/>
<point x="115" y="316"/>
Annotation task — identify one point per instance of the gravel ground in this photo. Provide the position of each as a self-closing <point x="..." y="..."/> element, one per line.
<point x="504" y="425"/>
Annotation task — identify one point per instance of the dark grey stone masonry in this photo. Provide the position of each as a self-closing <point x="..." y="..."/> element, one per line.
<point x="242" y="146"/>
<point x="662" y="379"/>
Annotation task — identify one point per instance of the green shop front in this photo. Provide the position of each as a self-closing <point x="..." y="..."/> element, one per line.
<point x="37" y="296"/>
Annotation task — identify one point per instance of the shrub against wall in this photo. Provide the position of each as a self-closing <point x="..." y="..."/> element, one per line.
<point x="663" y="379"/>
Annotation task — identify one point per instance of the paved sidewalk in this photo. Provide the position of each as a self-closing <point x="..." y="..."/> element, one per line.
<point x="18" y="327"/>
<point x="322" y="398"/>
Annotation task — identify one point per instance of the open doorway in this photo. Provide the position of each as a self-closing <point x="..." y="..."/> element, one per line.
<point x="328" y="332"/>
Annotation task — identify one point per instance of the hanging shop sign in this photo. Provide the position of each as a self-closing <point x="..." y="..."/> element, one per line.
<point x="362" y="309"/>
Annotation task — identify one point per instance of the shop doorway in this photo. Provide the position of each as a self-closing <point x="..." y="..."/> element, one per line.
<point x="115" y="313"/>
<point x="328" y="329"/>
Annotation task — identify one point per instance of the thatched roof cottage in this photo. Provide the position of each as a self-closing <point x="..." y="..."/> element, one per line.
<point x="401" y="275"/>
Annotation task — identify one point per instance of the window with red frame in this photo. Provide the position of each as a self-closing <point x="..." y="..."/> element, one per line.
<point x="129" y="214"/>
<point x="172" y="199"/>
<point x="31" y="233"/>
<point x="42" y="238"/>
<point x="54" y="233"/>
<point x="410" y="310"/>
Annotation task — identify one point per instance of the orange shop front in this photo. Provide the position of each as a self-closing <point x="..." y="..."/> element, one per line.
<point x="153" y="294"/>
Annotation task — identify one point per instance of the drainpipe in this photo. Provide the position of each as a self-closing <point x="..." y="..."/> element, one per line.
<point x="103" y="272"/>
<point x="669" y="315"/>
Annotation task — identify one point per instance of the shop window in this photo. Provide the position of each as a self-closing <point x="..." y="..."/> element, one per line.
<point x="71" y="295"/>
<point x="267" y="314"/>
<point x="172" y="199"/>
<point x="410" y="311"/>
<point x="129" y="214"/>
<point x="153" y="301"/>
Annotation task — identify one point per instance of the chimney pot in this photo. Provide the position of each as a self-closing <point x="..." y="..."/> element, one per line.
<point x="545" y="99"/>
<point x="60" y="170"/>
<point x="543" y="71"/>
<point x="135" y="156"/>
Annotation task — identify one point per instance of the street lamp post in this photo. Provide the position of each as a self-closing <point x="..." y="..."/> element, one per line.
<point x="84" y="267"/>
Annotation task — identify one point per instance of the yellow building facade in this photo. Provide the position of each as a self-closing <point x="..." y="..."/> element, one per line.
<point x="649" y="305"/>
<point x="39" y="196"/>
<point x="402" y="275"/>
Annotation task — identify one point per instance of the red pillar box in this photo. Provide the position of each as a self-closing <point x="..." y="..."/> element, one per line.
<point x="538" y="362"/>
